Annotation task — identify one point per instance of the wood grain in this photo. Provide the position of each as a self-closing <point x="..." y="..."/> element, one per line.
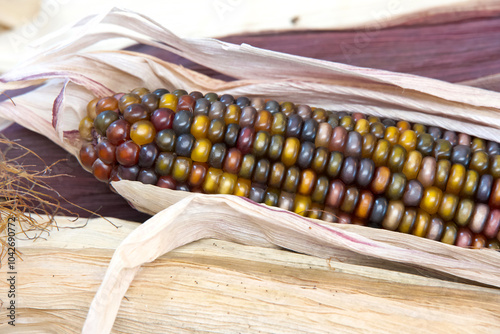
<point x="454" y="52"/>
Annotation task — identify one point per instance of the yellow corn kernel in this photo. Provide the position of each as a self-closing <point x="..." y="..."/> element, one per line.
<point x="201" y="150"/>
<point x="291" y="151"/>
<point x="169" y="101"/>
<point x="431" y="200"/>
<point x="212" y="180"/>
<point x="302" y="204"/>
<point x="227" y="183"/>
<point x="242" y="187"/>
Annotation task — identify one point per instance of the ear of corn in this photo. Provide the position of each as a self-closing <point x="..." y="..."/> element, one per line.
<point x="335" y="166"/>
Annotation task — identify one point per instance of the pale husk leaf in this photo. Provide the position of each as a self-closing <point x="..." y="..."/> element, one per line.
<point x="489" y="82"/>
<point x="237" y="219"/>
<point x="220" y="286"/>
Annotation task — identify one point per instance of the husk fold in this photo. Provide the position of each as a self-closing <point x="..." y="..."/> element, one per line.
<point x="220" y="286"/>
<point x="237" y="219"/>
<point x="70" y="77"/>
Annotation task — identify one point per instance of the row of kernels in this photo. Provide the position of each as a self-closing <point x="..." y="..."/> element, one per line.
<point x="171" y="101"/>
<point x="184" y="144"/>
<point x="408" y="139"/>
<point x="355" y="146"/>
<point x="354" y="201"/>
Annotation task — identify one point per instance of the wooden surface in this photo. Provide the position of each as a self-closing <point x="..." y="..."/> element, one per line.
<point x="454" y="52"/>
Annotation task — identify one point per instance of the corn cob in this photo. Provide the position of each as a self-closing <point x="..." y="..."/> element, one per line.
<point x="335" y="166"/>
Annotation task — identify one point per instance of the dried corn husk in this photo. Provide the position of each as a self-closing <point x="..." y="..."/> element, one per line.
<point x="489" y="82"/>
<point x="220" y="286"/>
<point x="238" y="220"/>
<point x="219" y="18"/>
<point x="70" y="77"/>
